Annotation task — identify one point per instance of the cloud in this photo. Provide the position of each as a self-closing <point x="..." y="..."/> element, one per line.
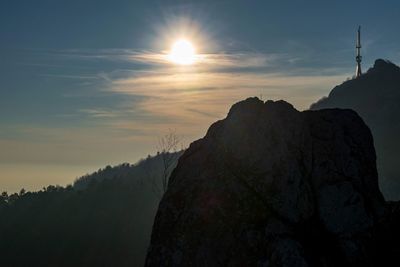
<point x="151" y="58"/>
<point x="127" y="106"/>
<point x="140" y="91"/>
<point x="191" y="100"/>
<point x="213" y="61"/>
<point x="219" y="85"/>
<point x="159" y="95"/>
<point x="100" y="113"/>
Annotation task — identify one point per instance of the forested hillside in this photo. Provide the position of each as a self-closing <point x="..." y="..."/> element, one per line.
<point x="103" y="219"/>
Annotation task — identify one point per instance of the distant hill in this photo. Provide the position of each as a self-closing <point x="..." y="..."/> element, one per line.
<point x="104" y="219"/>
<point x="375" y="96"/>
<point x="146" y="172"/>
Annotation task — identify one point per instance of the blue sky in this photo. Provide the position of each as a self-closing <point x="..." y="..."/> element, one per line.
<point x="84" y="84"/>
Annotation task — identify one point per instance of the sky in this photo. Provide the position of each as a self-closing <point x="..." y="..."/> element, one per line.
<point x="85" y="84"/>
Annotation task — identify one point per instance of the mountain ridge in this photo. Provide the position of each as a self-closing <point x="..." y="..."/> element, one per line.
<point x="375" y="96"/>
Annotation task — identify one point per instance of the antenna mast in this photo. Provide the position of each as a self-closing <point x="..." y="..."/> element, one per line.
<point x="358" y="57"/>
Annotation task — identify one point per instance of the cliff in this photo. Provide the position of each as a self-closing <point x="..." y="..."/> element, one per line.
<point x="272" y="186"/>
<point x="375" y="96"/>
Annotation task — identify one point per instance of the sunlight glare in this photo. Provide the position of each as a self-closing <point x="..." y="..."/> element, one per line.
<point x="182" y="53"/>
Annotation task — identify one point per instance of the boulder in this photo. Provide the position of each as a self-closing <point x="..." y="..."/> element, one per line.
<point x="272" y="186"/>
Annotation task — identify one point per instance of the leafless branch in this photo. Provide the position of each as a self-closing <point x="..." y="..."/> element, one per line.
<point x="168" y="145"/>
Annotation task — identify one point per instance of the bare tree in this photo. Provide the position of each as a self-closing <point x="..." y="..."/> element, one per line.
<point x="168" y="146"/>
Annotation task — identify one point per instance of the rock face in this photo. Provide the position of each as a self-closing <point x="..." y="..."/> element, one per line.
<point x="272" y="186"/>
<point x="375" y="96"/>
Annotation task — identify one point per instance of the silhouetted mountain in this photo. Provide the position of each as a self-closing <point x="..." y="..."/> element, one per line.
<point x="376" y="97"/>
<point x="272" y="186"/>
<point x="105" y="219"/>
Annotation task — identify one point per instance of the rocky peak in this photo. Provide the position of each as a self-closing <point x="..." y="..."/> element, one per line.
<point x="271" y="186"/>
<point x="375" y="96"/>
<point x="382" y="65"/>
<point x="254" y="105"/>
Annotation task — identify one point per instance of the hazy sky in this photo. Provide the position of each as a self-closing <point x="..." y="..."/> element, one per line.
<point x="84" y="84"/>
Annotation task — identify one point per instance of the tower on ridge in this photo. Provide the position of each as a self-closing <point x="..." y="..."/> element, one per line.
<point x="358" y="56"/>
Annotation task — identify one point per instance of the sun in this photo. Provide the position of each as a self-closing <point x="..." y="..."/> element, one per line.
<point x="182" y="52"/>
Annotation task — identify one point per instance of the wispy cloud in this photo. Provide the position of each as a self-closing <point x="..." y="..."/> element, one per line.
<point x="189" y="98"/>
<point x="127" y="106"/>
<point x="208" y="60"/>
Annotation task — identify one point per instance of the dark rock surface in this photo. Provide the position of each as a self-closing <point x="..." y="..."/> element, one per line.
<point x="375" y="96"/>
<point x="272" y="186"/>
